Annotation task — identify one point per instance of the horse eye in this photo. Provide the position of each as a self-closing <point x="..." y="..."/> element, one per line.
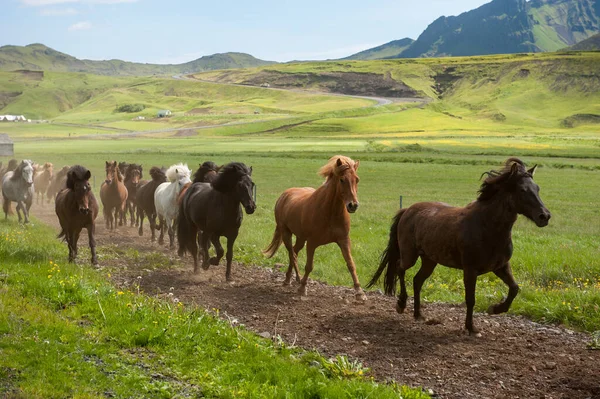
<point x="342" y="181"/>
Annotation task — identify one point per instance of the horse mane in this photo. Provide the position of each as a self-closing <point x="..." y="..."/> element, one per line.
<point x="157" y="174"/>
<point x="123" y="166"/>
<point x="177" y="170"/>
<point x="331" y="168"/>
<point x="229" y="175"/>
<point x="48" y="166"/>
<point x="206" y="167"/>
<point x="495" y="179"/>
<point x="76" y="173"/>
<point x="18" y="172"/>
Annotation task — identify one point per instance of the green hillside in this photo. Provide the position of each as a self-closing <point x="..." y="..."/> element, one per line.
<point x="590" y="44"/>
<point x="42" y="58"/>
<point x="392" y="49"/>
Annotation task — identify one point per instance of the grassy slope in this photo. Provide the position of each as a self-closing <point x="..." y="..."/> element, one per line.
<point x="66" y="332"/>
<point x="387" y="50"/>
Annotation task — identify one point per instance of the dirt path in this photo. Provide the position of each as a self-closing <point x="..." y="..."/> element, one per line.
<point x="515" y="358"/>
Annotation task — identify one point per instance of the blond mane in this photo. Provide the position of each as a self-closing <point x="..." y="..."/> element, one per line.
<point x="331" y="168"/>
<point x="177" y="171"/>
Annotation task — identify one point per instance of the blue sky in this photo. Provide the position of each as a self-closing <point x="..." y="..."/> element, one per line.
<point x="176" y="31"/>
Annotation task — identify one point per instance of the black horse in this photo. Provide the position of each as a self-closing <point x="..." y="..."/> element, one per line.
<point x="133" y="175"/>
<point x="213" y="210"/>
<point x="145" y="200"/>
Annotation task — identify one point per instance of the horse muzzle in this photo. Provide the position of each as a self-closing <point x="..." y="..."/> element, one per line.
<point x="84" y="211"/>
<point x="351" y="207"/>
<point x="543" y="218"/>
<point x="250" y="209"/>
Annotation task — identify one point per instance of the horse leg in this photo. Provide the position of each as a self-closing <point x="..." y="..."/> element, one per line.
<point x="219" y="248"/>
<point x="140" y="216"/>
<point x="297" y="248"/>
<point x="345" y="247"/>
<point x="170" y="224"/>
<point x="470" y="280"/>
<point x="76" y="234"/>
<point x="310" y="254"/>
<point x="204" y="238"/>
<point x="161" y="238"/>
<point x="19" y="207"/>
<point x="91" y="229"/>
<point x="193" y="244"/>
<point x="71" y="243"/>
<point x="132" y="214"/>
<point x="505" y="274"/>
<point x="152" y="221"/>
<point x="427" y="267"/>
<point x="286" y="237"/>
<point x="229" y="255"/>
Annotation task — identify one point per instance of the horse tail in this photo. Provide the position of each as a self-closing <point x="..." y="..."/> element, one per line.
<point x="184" y="230"/>
<point x="275" y="243"/>
<point x="389" y="259"/>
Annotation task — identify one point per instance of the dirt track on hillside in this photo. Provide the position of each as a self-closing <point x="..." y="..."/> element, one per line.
<point x="515" y="358"/>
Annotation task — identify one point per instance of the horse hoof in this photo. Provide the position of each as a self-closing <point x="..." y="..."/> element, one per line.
<point x="302" y="290"/>
<point x="214" y="261"/>
<point x="286" y="282"/>
<point x="205" y="266"/>
<point x="361" y="297"/>
<point x="399" y="308"/>
<point x="475" y="334"/>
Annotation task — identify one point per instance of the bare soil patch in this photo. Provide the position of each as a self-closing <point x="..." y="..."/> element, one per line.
<point x="515" y="358"/>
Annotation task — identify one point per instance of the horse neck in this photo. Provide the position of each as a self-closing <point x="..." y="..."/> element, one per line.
<point x="496" y="215"/>
<point x="329" y="198"/>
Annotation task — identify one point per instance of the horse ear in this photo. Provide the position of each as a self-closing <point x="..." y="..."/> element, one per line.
<point x="356" y="164"/>
<point x="107" y="163"/>
<point x="87" y="175"/>
<point x="339" y="162"/>
<point x="250" y="174"/>
<point x="532" y="170"/>
<point x="514" y="168"/>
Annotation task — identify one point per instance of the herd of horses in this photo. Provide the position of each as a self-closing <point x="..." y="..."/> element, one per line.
<point x="208" y="205"/>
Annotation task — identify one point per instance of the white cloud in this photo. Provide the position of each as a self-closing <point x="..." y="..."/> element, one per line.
<point x="58" y="12"/>
<point x="83" y="25"/>
<point x="41" y="3"/>
<point x="37" y="3"/>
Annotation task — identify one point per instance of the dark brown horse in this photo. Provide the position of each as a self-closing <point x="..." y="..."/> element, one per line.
<point x="145" y="200"/>
<point x="113" y="195"/>
<point x="476" y="238"/>
<point x="318" y="217"/>
<point x="133" y="174"/>
<point x="206" y="173"/>
<point x="215" y="210"/>
<point x="58" y="182"/>
<point x="77" y="208"/>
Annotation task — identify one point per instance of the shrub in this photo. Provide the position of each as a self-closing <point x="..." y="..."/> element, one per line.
<point x="130" y="108"/>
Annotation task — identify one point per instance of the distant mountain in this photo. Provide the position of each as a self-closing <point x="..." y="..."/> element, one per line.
<point x="590" y="44"/>
<point x="392" y="49"/>
<point x="40" y="57"/>
<point x="498" y="27"/>
<point x="509" y="26"/>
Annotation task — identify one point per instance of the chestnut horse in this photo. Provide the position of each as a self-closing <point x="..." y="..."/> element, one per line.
<point x="113" y="195"/>
<point x="476" y="238"/>
<point x="318" y="217"/>
<point x="77" y="208"/>
<point x="58" y="182"/>
<point x="42" y="180"/>
<point x="145" y="199"/>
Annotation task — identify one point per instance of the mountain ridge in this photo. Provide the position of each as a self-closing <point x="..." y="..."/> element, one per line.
<point x="37" y="56"/>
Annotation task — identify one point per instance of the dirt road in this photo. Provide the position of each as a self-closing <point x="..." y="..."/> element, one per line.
<point x="515" y="358"/>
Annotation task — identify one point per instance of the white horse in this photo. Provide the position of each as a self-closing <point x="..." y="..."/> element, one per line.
<point x="165" y="199"/>
<point x="17" y="186"/>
